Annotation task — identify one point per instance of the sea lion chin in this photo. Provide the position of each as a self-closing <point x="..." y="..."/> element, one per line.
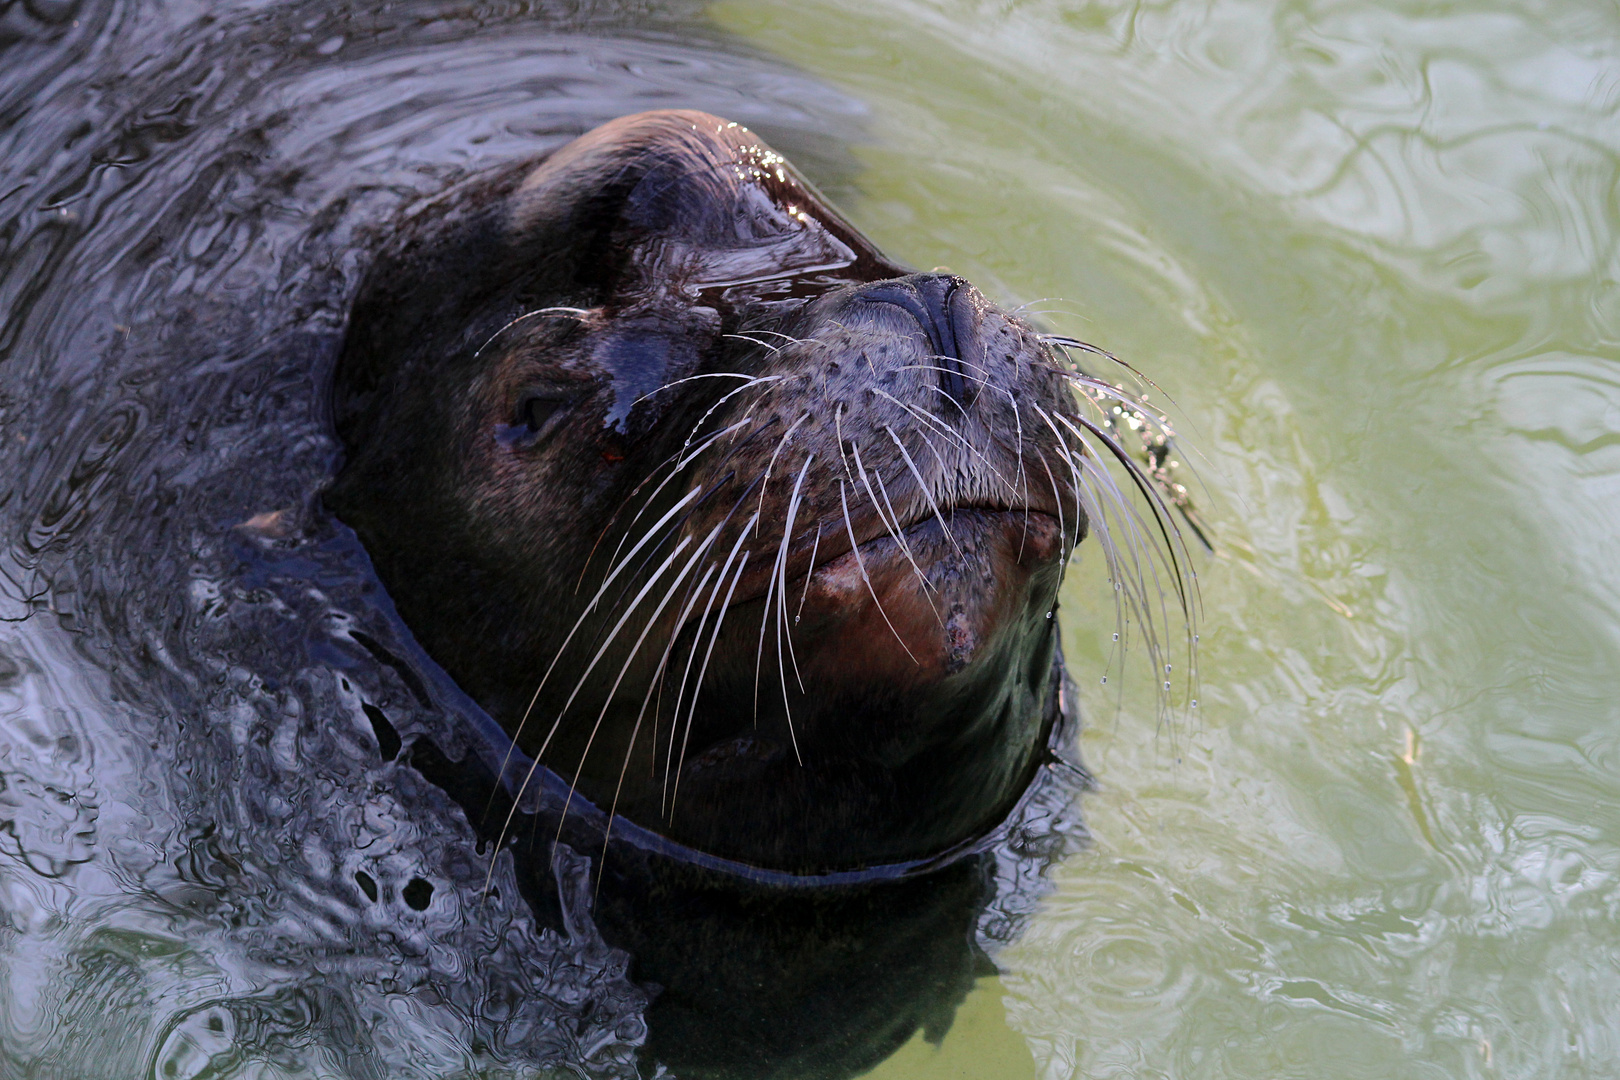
<point x="749" y="532"/>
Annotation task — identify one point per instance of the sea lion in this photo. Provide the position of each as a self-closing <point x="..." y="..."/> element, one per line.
<point x="748" y="531"/>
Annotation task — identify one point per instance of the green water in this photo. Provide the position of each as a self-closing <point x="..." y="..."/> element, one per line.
<point x="1371" y="252"/>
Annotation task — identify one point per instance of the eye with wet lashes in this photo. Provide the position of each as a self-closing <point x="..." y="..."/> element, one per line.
<point x="538" y="413"/>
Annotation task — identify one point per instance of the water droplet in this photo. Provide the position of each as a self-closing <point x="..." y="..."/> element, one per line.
<point x="1167" y="669"/>
<point x="1116" y="637"/>
<point x="1167" y="686"/>
<point x="1195" y="703"/>
<point x="1048" y="614"/>
<point x="1105" y="680"/>
<point x="796" y="620"/>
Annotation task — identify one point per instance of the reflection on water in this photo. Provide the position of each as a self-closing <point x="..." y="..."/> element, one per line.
<point x="1370" y="249"/>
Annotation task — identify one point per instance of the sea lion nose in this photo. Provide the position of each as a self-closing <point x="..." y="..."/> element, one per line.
<point x="943" y="307"/>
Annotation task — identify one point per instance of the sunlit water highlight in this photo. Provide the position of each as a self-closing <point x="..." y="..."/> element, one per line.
<point x="1371" y="251"/>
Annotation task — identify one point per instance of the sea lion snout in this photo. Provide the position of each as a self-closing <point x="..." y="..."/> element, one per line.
<point x="947" y="310"/>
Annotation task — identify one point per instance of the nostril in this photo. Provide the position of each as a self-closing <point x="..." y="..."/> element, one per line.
<point x="944" y="310"/>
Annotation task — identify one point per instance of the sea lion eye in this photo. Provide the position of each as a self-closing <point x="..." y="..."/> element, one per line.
<point x="539" y="412"/>
<point x="536" y="411"/>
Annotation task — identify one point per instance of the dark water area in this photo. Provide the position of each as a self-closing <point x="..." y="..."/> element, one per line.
<point x="231" y="836"/>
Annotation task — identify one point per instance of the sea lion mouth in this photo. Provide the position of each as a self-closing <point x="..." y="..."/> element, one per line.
<point x="1040" y="540"/>
<point x="910" y="606"/>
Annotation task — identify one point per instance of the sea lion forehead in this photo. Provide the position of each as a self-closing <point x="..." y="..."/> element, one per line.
<point x="695" y="180"/>
<point x="710" y="158"/>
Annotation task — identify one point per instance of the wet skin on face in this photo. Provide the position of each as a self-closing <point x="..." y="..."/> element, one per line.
<point x="746" y="530"/>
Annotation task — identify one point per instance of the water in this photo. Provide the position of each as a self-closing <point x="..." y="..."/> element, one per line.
<point x="1370" y="252"/>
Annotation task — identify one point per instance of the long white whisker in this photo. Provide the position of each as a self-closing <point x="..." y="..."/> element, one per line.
<point x="922" y="486"/>
<point x="655" y="681"/>
<point x="808" y="575"/>
<point x="860" y="564"/>
<point x="690" y="435"/>
<point x="751" y="380"/>
<point x="781" y="605"/>
<point x="535" y="764"/>
<point x="697" y="637"/>
<point x="675" y="463"/>
<point x="786" y="435"/>
<point x="892" y="526"/>
<point x="590" y="607"/>
<point x="691" y="711"/>
<point x="629" y="660"/>
<point x="568" y="312"/>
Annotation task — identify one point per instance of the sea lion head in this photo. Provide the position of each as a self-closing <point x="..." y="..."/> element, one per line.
<point x="748" y="531"/>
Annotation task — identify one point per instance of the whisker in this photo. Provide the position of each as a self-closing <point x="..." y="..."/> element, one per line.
<point x="940" y="425"/>
<point x="697" y="637"/>
<point x="751" y="380"/>
<point x="808" y="574"/>
<point x="860" y="563"/>
<point x="922" y="485"/>
<point x="680" y="463"/>
<point x="893" y="527"/>
<point x="1161" y="512"/>
<point x="535" y="764"/>
<point x="1066" y="342"/>
<point x="690" y="435"/>
<point x="629" y="660"/>
<point x="566" y="312"/>
<point x="589" y="608"/>
<point x="691" y="712"/>
<point x="786" y="435"/>
<point x="781" y="607"/>
<point x="656" y="681"/>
